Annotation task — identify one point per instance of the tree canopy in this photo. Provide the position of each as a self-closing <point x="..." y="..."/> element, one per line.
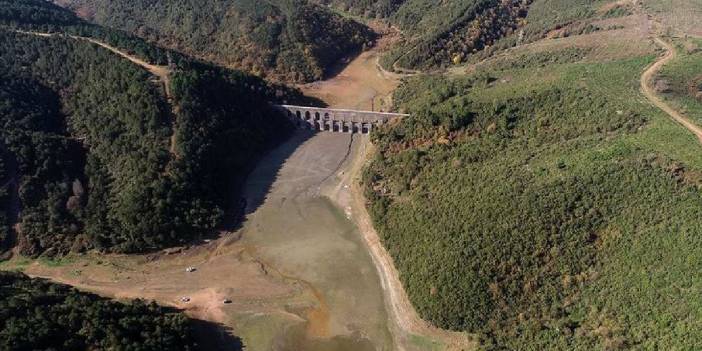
<point x="38" y="315"/>
<point x="290" y="40"/>
<point x="104" y="159"/>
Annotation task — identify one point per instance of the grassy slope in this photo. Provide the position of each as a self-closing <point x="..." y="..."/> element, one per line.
<point x="546" y="222"/>
<point x="681" y="74"/>
<point x="681" y="15"/>
<point x="545" y="15"/>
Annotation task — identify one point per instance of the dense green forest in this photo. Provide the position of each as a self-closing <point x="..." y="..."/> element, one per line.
<point x="5" y="192"/>
<point x="38" y="315"/>
<point x="439" y="34"/>
<point x="290" y="40"/>
<point x="299" y="40"/>
<point x="43" y="16"/>
<point x="547" y="213"/>
<point x="91" y="135"/>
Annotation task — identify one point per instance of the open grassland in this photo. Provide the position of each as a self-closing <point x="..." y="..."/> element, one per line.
<point x="547" y="15"/>
<point x="682" y="16"/>
<point x="618" y="38"/>
<point x="544" y="207"/>
<point x="460" y="31"/>
<point x="681" y="79"/>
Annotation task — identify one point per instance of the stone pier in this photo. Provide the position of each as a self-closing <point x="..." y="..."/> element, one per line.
<point x="337" y="120"/>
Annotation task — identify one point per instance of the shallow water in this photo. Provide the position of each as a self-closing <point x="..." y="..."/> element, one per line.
<point x="301" y="235"/>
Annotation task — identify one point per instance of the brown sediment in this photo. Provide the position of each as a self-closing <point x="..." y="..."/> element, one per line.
<point x="362" y="84"/>
<point x="317" y="316"/>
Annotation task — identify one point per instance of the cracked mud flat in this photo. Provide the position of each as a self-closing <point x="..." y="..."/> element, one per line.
<point x="297" y="230"/>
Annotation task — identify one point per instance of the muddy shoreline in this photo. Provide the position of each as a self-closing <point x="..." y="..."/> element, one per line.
<point x="301" y="270"/>
<point x="297" y="272"/>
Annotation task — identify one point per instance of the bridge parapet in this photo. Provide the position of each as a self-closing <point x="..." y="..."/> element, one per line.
<point x="337" y="120"/>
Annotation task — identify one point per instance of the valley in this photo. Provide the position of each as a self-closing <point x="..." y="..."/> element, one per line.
<point x="292" y="270"/>
<point x="541" y="193"/>
<point x="297" y="272"/>
<point x="362" y="84"/>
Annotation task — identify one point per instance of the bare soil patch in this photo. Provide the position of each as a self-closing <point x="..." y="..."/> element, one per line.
<point x="362" y="84"/>
<point x="648" y="87"/>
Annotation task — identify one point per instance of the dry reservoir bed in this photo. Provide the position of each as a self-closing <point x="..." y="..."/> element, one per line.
<point x="297" y="273"/>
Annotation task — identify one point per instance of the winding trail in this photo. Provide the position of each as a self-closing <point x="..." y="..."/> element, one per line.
<point x="650" y="92"/>
<point x="161" y="72"/>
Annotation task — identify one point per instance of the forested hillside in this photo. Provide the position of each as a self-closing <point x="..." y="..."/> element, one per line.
<point x="437" y="34"/>
<point x="445" y="33"/>
<point x="543" y="208"/>
<point x="298" y="40"/>
<point x="5" y="193"/>
<point x="365" y="8"/>
<point x="104" y="159"/>
<point x="290" y="40"/>
<point x="38" y="315"/>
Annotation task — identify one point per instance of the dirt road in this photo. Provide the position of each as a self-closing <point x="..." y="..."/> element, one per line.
<point x="650" y="92"/>
<point x="161" y="72"/>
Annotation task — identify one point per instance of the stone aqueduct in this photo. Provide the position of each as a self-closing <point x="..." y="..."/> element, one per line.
<point x="337" y="120"/>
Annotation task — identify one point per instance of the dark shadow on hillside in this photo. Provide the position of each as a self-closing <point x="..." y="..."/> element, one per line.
<point x="296" y="97"/>
<point x="260" y="181"/>
<point x="212" y="336"/>
<point x="339" y="66"/>
<point x="255" y="188"/>
<point x="13" y="207"/>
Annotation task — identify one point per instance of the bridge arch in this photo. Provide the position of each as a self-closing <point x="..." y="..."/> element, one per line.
<point x="337" y="120"/>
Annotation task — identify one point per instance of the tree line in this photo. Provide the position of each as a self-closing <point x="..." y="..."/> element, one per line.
<point x="106" y="162"/>
<point x="513" y="214"/>
<point x="38" y="315"/>
<point x="288" y="40"/>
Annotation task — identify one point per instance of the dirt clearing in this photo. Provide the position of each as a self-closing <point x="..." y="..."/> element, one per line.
<point x="361" y="85"/>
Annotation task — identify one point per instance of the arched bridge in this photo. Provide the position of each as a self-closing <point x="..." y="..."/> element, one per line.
<point x="337" y="120"/>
